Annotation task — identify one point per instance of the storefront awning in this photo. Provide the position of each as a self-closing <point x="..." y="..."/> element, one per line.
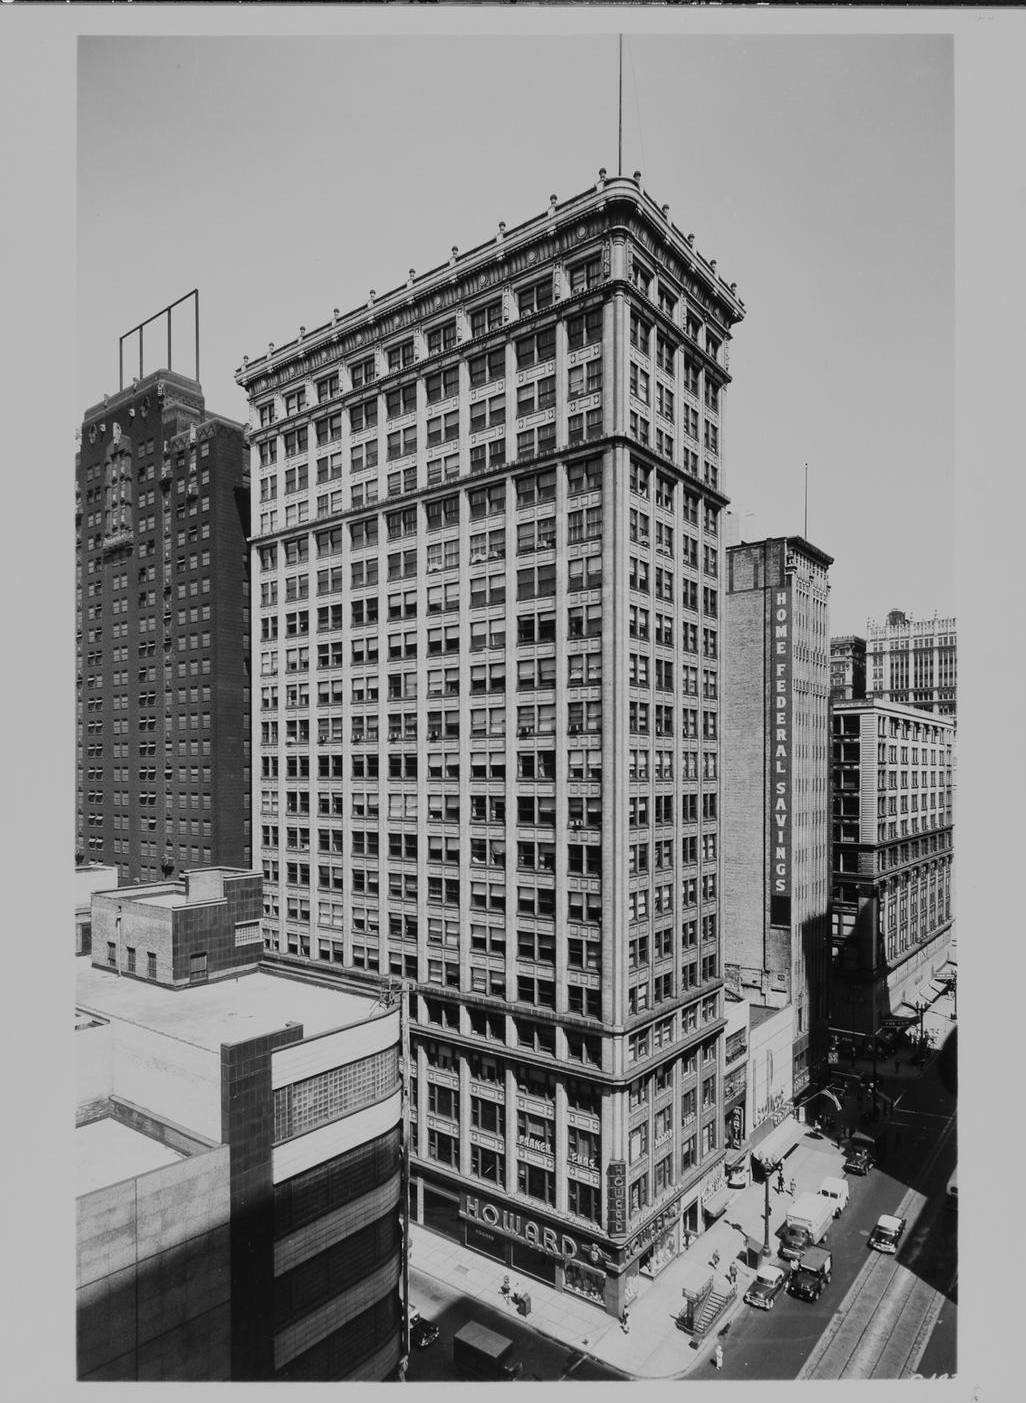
<point x="715" y="1204"/>
<point x="778" y="1142"/>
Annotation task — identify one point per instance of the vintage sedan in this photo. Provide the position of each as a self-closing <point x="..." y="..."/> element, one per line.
<point x="422" y="1332"/>
<point x="766" y="1287"/>
<point x="858" y="1161"/>
<point x="887" y="1233"/>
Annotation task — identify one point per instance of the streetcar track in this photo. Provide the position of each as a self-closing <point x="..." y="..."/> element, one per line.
<point x="884" y="1321"/>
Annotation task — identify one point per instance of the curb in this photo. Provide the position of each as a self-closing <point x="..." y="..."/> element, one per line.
<point x="556" y="1339"/>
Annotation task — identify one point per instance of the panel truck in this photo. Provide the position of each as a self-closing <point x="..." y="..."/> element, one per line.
<point x="810" y="1273"/>
<point x="480" y="1353"/>
<point x="808" y="1218"/>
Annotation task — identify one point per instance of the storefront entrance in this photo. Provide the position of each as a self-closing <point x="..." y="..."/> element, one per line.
<point x="442" y="1214"/>
<point x="533" y="1263"/>
<point x="489" y="1243"/>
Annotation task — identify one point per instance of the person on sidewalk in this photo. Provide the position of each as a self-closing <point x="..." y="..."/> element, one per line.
<point x="732" y="1273"/>
<point x="625" y="1321"/>
<point x="780" y="1181"/>
<point x="714" y="1260"/>
<point x="718" y="1356"/>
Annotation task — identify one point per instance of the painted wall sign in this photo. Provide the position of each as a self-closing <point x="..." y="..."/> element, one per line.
<point x="780" y="723"/>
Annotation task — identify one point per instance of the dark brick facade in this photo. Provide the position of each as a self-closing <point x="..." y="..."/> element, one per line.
<point x="162" y="723"/>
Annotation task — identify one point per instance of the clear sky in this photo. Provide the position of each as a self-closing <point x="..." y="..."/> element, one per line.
<point x="286" y="176"/>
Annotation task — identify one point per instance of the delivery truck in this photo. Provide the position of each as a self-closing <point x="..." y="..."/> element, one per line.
<point x="808" y="1218"/>
<point x="810" y="1273"/>
<point x="480" y="1353"/>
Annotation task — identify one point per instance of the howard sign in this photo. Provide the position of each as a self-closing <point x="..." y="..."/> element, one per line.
<point x="515" y="1225"/>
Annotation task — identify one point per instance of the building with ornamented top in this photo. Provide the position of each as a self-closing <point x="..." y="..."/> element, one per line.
<point x="913" y="662"/>
<point x="488" y="555"/>
<point x="162" y="619"/>
<point x="847" y="668"/>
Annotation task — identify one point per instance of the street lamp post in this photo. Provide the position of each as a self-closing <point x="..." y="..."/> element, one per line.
<point x="766" y="1250"/>
<point x="873" y="1087"/>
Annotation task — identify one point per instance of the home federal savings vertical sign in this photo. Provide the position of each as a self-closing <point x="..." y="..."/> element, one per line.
<point x="780" y="722"/>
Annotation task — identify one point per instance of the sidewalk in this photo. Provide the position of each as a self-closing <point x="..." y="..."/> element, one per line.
<point x="654" y="1348"/>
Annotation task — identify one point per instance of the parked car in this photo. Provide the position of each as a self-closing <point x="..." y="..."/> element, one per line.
<point x="858" y="1161"/>
<point x="422" y="1332"/>
<point x="887" y="1233"/>
<point x="767" y="1286"/>
<point x="810" y="1274"/>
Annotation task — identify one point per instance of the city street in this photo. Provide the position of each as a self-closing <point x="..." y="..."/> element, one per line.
<point x="880" y="1317"/>
<point x="543" y="1358"/>
<point x="897" y="1301"/>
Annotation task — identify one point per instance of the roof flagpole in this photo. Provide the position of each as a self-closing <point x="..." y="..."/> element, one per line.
<point x="619" y="145"/>
<point x="805" y="532"/>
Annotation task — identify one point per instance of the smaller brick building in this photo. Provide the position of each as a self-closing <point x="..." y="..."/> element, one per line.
<point x="204" y="926"/>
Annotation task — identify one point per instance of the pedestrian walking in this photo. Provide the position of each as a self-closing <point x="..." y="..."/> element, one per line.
<point x="780" y="1181"/>
<point x="793" y="1187"/>
<point x="714" y="1260"/>
<point x="625" y="1321"/>
<point x="732" y="1273"/>
<point x="504" y="1288"/>
<point x="718" y="1356"/>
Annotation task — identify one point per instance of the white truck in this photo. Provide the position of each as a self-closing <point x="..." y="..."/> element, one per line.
<point x="808" y="1218"/>
<point x="837" y="1191"/>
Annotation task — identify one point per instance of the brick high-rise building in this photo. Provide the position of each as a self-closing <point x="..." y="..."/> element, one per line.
<point x="913" y="662"/>
<point x="488" y="552"/>
<point x="776" y="773"/>
<point x="162" y="616"/>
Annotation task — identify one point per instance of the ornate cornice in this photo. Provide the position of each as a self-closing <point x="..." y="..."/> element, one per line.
<point x="619" y="203"/>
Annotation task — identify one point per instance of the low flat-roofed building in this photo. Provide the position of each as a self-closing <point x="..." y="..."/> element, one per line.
<point x="89" y="877"/>
<point x="203" y="926"/>
<point x="238" y="1189"/>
